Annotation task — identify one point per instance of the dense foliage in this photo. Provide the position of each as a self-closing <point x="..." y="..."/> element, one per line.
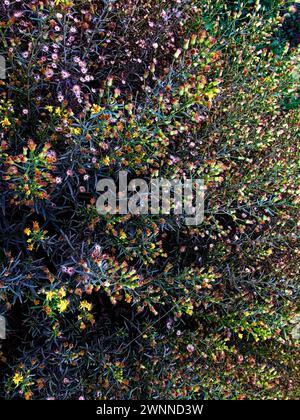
<point x="144" y="306"/>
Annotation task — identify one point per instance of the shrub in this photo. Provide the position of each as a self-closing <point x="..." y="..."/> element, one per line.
<point x="126" y="306"/>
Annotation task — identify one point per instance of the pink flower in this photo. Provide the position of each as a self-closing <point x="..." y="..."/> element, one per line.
<point x="18" y="14"/>
<point x="49" y="73"/>
<point x="199" y="118"/>
<point x="164" y="15"/>
<point x="76" y="90"/>
<point x="190" y="348"/>
<point x="65" y="74"/>
<point x="68" y="270"/>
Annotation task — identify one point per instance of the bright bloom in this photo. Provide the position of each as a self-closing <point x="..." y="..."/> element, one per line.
<point x="62" y="305"/>
<point x="75" y="130"/>
<point x="61" y="292"/>
<point x="49" y="73"/>
<point x="85" y="305"/>
<point x="58" y="180"/>
<point x="50" y="295"/>
<point x="5" y="122"/>
<point x="95" y="109"/>
<point x="190" y="348"/>
<point x="65" y="74"/>
<point x="17" y="379"/>
<point x="123" y="235"/>
<point x="106" y="161"/>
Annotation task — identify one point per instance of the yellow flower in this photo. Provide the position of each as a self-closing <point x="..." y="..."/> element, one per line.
<point x="75" y="130"/>
<point x="49" y="108"/>
<point x="50" y="295"/>
<point x="61" y="292"/>
<point x="85" y="305"/>
<point x="17" y="379"/>
<point x="62" y="305"/>
<point x="62" y="2"/>
<point x="123" y="235"/>
<point x="95" y="109"/>
<point x="106" y="160"/>
<point x="5" y="122"/>
<point x="27" y="231"/>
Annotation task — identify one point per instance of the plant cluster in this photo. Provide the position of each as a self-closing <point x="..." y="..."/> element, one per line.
<point x="135" y="306"/>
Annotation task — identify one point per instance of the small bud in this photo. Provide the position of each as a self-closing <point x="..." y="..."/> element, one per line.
<point x="110" y="81"/>
<point x="193" y="39"/>
<point x="177" y="54"/>
<point x="186" y="44"/>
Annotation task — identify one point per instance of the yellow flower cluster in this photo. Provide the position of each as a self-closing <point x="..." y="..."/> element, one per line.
<point x="57" y="301"/>
<point x="35" y="235"/>
<point x="67" y="3"/>
<point x="85" y="305"/>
